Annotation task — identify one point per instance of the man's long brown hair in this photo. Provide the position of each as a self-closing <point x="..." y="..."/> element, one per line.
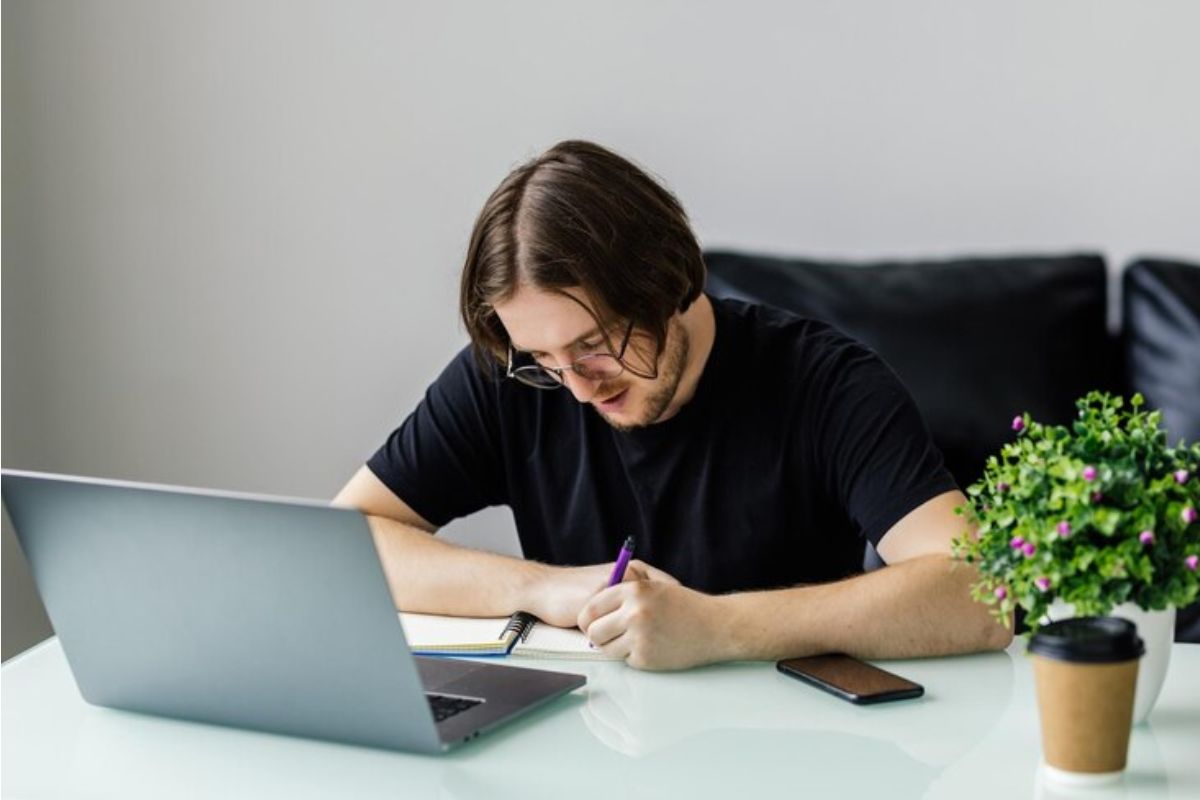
<point x="581" y="216"/>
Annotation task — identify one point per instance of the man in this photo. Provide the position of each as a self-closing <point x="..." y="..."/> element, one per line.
<point x="751" y="453"/>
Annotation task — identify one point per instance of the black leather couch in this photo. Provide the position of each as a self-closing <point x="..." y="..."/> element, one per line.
<point x="980" y="340"/>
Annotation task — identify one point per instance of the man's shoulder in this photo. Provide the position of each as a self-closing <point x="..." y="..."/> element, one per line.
<point x="475" y="383"/>
<point x="468" y="370"/>
<point x="801" y="364"/>
<point x="764" y="331"/>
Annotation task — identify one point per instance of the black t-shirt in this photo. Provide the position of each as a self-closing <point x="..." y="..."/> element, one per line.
<point x="798" y="446"/>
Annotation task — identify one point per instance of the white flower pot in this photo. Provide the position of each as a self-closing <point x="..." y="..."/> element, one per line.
<point x="1157" y="629"/>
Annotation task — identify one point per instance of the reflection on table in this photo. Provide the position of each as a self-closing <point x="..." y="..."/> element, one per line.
<point x="713" y="732"/>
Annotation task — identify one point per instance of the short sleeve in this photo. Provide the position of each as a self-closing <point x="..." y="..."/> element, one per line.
<point x="878" y="456"/>
<point x="444" y="461"/>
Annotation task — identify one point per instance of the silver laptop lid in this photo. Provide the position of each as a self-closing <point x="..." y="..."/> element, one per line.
<point x="225" y="608"/>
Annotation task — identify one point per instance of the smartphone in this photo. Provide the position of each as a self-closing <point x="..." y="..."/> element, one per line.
<point x="850" y="679"/>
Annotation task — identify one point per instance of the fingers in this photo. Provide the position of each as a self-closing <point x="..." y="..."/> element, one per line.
<point x="619" y="647"/>
<point x="607" y="627"/>
<point x="656" y="574"/>
<point x="639" y="570"/>
<point x="603" y="602"/>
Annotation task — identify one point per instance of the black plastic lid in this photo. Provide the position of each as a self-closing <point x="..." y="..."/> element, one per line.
<point x="1094" y="640"/>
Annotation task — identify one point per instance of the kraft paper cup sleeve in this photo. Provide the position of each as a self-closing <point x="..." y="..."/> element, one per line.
<point x="1086" y="711"/>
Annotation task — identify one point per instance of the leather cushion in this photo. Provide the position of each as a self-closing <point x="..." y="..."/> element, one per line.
<point x="977" y="341"/>
<point x="1161" y="311"/>
<point x="1162" y="341"/>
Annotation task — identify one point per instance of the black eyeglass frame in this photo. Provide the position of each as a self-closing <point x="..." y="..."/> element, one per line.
<point x="557" y="375"/>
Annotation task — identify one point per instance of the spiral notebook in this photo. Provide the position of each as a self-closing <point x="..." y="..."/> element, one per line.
<point x="520" y="636"/>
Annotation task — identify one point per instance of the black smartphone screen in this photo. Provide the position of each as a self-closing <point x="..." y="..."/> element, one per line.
<point x="850" y="679"/>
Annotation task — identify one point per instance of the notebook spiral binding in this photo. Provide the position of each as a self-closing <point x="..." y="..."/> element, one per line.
<point x="520" y="624"/>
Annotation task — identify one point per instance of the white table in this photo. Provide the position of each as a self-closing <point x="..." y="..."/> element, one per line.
<point x="734" y="730"/>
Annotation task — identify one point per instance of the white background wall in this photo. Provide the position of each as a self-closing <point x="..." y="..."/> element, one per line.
<point x="232" y="229"/>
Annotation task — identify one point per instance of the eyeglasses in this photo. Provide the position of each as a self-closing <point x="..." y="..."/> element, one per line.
<point x="592" y="367"/>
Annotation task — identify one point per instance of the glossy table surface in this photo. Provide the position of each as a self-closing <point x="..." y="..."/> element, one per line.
<point x="719" y="731"/>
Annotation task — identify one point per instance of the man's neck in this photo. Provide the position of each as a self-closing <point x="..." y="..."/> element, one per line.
<point x="700" y="325"/>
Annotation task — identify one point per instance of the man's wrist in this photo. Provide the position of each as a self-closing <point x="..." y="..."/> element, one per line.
<point x="531" y="586"/>
<point x="731" y="634"/>
<point x="756" y="626"/>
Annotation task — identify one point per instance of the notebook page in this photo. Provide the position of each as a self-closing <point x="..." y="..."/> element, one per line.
<point x="547" y="641"/>
<point x="433" y="633"/>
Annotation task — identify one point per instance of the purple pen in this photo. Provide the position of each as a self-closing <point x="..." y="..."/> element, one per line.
<point x="618" y="573"/>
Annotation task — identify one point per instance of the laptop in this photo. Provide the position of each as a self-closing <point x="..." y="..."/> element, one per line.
<point x="252" y="612"/>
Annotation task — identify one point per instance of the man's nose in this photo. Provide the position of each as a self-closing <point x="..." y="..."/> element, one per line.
<point x="582" y="388"/>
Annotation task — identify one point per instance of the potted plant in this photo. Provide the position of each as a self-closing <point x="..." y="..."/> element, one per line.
<point x="1102" y="518"/>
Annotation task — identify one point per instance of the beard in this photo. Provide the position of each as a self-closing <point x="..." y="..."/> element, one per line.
<point x="663" y="390"/>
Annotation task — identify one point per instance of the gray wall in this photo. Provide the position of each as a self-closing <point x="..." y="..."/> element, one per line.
<point x="232" y="230"/>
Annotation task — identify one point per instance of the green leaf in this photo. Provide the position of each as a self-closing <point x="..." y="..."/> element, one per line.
<point x="1102" y="562"/>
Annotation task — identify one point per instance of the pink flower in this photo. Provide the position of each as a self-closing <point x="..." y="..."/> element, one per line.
<point x="1018" y="425"/>
<point x="1097" y="497"/>
<point x="1017" y="542"/>
<point x="1188" y="515"/>
<point x="1002" y="593"/>
<point x="1089" y="473"/>
<point x="1064" y="529"/>
<point x="1146" y="537"/>
<point x="1028" y="549"/>
<point x="1192" y="562"/>
<point x="1043" y="583"/>
<point x="1001" y="487"/>
<point x="1181" y="476"/>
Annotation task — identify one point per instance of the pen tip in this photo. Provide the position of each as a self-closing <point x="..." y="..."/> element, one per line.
<point x="628" y="543"/>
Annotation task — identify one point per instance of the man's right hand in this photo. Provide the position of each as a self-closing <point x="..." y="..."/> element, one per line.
<point x="558" y="594"/>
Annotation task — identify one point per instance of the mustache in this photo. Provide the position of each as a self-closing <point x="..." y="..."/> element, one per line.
<point x="607" y="390"/>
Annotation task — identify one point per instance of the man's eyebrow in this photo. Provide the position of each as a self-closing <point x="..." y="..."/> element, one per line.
<point x="575" y="343"/>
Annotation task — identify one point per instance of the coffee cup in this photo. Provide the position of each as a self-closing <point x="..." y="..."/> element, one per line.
<point x="1086" y="672"/>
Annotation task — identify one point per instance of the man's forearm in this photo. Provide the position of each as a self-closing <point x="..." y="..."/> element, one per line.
<point x="920" y="607"/>
<point x="429" y="575"/>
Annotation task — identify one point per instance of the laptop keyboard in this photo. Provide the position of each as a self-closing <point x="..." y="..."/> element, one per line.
<point x="444" y="706"/>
